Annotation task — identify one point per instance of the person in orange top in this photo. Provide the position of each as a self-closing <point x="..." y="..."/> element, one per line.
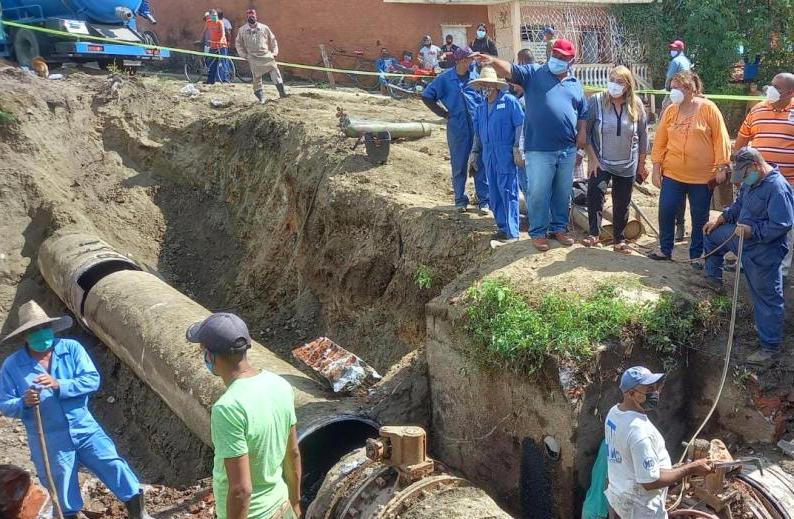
<point x="216" y="39"/>
<point x="770" y="128"/>
<point x="691" y="145"/>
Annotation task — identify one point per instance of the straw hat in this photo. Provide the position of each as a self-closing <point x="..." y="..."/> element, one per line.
<point x="32" y="316"/>
<point x="488" y="78"/>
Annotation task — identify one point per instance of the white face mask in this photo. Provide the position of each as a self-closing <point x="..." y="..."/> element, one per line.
<point x="677" y="96"/>
<point x="772" y="94"/>
<point x="673" y="53"/>
<point x="614" y="89"/>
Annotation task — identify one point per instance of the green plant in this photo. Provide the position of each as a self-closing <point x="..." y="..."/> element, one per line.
<point x="510" y="331"/>
<point x="423" y="277"/>
<point x="7" y="119"/>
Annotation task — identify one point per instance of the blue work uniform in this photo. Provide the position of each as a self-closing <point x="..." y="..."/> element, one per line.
<point x="461" y="101"/>
<point x="768" y="208"/>
<point x="73" y="436"/>
<point x="497" y="125"/>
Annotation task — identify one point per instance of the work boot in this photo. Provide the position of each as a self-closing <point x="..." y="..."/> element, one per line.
<point x="763" y="358"/>
<point x="281" y="91"/>
<point x="542" y="244"/>
<point x="260" y="95"/>
<point x="563" y="238"/>
<point x="713" y="284"/>
<point x="136" y="508"/>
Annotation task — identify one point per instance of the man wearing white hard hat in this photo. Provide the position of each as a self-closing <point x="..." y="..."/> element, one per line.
<point x="498" y="123"/>
<point x="57" y="375"/>
<point x="639" y="469"/>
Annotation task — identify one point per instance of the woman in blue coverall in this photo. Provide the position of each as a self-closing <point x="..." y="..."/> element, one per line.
<point x="57" y="375"/>
<point x="498" y="122"/>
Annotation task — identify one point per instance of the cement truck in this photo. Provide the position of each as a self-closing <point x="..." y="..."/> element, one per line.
<point x="111" y="19"/>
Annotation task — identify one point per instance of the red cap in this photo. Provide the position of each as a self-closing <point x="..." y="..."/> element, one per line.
<point x="677" y="45"/>
<point x="564" y="47"/>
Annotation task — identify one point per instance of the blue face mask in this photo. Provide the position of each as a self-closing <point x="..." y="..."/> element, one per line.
<point x="41" y="340"/>
<point x="209" y="361"/>
<point x="751" y="179"/>
<point x="557" y="65"/>
<point x="480" y="35"/>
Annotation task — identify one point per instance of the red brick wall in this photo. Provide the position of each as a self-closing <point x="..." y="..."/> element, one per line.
<point x="301" y="25"/>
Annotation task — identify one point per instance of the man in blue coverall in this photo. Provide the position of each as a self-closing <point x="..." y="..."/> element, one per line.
<point x="460" y="101"/>
<point x="58" y="376"/>
<point x="498" y="122"/>
<point x="763" y="213"/>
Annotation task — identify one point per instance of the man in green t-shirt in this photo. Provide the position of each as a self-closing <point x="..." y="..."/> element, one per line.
<point x="257" y="469"/>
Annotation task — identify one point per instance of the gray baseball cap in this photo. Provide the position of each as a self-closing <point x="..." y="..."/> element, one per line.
<point x="220" y="333"/>
<point x="743" y="159"/>
<point x="638" y="376"/>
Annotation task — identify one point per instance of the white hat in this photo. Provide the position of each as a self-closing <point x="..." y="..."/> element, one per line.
<point x="488" y="77"/>
<point x="32" y="316"/>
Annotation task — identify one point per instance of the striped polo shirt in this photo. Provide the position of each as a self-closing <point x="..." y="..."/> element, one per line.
<point x="772" y="133"/>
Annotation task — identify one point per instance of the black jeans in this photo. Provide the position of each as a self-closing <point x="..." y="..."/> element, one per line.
<point x="621" y="197"/>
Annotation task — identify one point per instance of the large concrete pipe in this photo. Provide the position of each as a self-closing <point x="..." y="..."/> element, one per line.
<point x="412" y="130"/>
<point x="143" y="321"/>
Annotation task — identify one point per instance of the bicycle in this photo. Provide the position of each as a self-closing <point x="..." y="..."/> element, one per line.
<point x="339" y="58"/>
<point x="198" y="67"/>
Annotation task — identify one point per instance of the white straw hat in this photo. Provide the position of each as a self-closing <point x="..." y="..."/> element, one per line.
<point x="32" y="316"/>
<point x="488" y="77"/>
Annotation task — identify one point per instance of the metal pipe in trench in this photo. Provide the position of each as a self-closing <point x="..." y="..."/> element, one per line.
<point x="413" y="130"/>
<point x="143" y="320"/>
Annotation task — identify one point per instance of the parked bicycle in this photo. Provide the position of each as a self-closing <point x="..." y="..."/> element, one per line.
<point x="402" y="87"/>
<point x="347" y="60"/>
<point x="197" y="68"/>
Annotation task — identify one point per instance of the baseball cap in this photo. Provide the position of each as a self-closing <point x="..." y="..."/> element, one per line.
<point x="743" y="159"/>
<point x="564" y="47"/>
<point x="220" y="333"/>
<point x="677" y="45"/>
<point x="462" y="52"/>
<point x="638" y="376"/>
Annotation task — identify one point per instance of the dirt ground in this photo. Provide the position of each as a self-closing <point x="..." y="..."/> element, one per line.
<point x="264" y="210"/>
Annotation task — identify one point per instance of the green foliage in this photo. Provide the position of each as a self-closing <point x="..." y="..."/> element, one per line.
<point x="714" y="31"/>
<point x="7" y="119"/>
<point x="509" y="331"/>
<point x="423" y="277"/>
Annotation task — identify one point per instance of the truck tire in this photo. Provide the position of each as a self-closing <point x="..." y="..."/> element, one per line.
<point x="26" y="47"/>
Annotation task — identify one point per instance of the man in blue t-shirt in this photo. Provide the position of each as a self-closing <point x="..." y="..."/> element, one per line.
<point x="554" y="138"/>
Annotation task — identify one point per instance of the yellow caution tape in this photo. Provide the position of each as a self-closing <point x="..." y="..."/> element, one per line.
<point x="722" y="97"/>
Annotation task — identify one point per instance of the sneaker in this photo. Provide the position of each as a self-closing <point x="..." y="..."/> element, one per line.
<point x="460" y="208"/>
<point x="562" y="238"/>
<point x="499" y="236"/>
<point x="484" y="210"/>
<point x="763" y="358"/>
<point x="542" y="244"/>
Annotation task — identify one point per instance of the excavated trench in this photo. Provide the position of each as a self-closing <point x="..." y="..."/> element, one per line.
<point x="265" y="217"/>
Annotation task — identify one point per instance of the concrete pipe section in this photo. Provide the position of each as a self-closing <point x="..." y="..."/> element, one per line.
<point x="143" y="320"/>
<point x="393" y="477"/>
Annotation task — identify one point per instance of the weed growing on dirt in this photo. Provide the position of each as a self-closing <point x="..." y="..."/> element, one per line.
<point x="7" y="119"/>
<point x="423" y="277"/>
<point x="510" y="331"/>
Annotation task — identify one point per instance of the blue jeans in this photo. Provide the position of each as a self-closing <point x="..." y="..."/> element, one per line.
<point x="549" y="182"/>
<point x="673" y="194"/>
<point x="762" y="265"/>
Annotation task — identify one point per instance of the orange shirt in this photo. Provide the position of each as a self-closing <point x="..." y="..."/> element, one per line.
<point x="690" y="148"/>
<point x="772" y="133"/>
<point x="216" y="35"/>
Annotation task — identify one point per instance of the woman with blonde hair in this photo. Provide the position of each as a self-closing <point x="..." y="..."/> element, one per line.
<point x="691" y="144"/>
<point x="617" y="144"/>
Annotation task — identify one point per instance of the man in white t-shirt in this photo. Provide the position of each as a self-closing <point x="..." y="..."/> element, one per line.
<point x="639" y="468"/>
<point x="429" y="54"/>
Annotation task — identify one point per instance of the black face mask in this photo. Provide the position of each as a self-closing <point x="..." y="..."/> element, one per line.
<point x="651" y="401"/>
<point x="251" y="20"/>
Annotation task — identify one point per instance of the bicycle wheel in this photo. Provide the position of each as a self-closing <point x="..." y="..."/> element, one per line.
<point x="398" y="89"/>
<point x="366" y="81"/>
<point x="243" y="72"/>
<point x="195" y="68"/>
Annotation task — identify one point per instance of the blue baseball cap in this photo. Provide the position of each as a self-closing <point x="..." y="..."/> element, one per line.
<point x="638" y="376"/>
<point x="220" y="333"/>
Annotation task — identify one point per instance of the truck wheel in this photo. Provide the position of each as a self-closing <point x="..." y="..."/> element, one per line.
<point x="26" y="47"/>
